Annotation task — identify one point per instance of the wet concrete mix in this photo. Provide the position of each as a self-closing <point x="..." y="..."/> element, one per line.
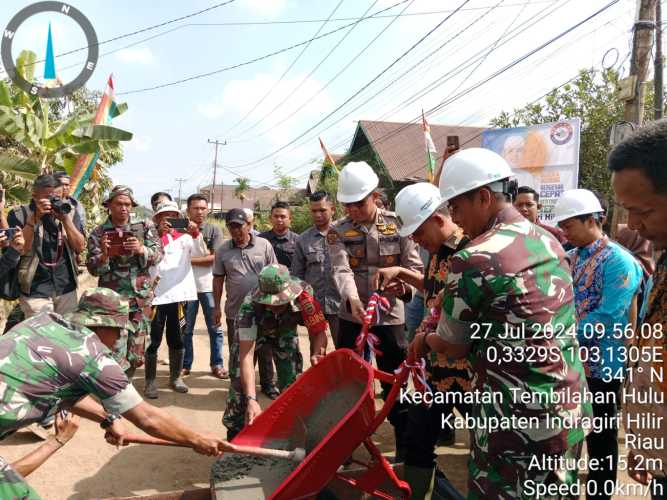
<point x="247" y="477"/>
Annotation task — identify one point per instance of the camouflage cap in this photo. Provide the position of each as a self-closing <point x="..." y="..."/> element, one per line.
<point x="118" y="191"/>
<point x="276" y="286"/>
<point x="102" y="307"/>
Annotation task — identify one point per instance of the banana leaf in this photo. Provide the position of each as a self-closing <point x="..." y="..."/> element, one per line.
<point x="102" y="133"/>
<point x="16" y="165"/>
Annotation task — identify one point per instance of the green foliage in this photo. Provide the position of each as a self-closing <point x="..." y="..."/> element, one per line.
<point x="41" y="136"/>
<point x="285" y="182"/>
<point x="593" y="97"/>
<point x="243" y="185"/>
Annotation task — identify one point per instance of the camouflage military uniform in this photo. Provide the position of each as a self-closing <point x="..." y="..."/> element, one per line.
<point x="49" y="362"/>
<point x="258" y="323"/>
<point x="129" y="276"/>
<point x="515" y="274"/>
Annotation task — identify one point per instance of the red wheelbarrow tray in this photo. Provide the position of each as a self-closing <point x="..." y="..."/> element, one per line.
<point x="279" y="422"/>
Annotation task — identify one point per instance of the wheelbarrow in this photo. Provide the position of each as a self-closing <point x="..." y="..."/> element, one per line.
<point x="337" y="372"/>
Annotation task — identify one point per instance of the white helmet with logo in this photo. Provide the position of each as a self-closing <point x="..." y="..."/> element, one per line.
<point x="356" y="181"/>
<point x="415" y="204"/>
<point x="470" y="169"/>
<point x="576" y="202"/>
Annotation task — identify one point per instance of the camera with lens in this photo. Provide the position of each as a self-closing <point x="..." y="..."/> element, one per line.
<point x="59" y="205"/>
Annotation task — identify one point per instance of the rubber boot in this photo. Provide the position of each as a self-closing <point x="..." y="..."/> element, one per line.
<point x="175" y="369"/>
<point x="420" y="480"/>
<point x="150" y="389"/>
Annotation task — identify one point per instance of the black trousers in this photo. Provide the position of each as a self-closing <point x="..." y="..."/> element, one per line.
<point x="173" y="316"/>
<point x="604" y="444"/>
<point x="424" y="428"/>
<point x="393" y="346"/>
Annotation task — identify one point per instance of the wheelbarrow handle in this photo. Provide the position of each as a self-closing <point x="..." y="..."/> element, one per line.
<point x="297" y="454"/>
<point x="144" y="439"/>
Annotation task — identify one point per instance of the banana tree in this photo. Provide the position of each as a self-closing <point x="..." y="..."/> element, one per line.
<point x="37" y="140"/>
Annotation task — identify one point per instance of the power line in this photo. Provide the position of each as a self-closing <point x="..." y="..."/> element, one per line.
<point x="360" y="90"/>
<point x="275" y="85"/>
<point x="410" y="14"/>
<point x="143" y="30"/>
<point x="303" y="105"/>
<point x="305" y="79"/>
<point x="442" y="104"/>
<point x="256" y="59"/>
<point x="415" y="65"/>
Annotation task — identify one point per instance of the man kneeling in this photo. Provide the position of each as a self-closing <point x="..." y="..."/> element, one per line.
<point x="53" y="363"/>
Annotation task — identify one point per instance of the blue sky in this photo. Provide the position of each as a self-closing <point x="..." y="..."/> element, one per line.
<point x="171" y="125"/>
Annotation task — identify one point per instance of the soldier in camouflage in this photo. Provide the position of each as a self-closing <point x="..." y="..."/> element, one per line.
<point x="49" y="364"/>
<point x="126" y="269"/>
<point x="508" y="306"/>
<point x="270" y="315"/>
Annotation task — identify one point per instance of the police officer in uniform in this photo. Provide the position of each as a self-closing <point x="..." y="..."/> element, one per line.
<point x="359" y="244"/>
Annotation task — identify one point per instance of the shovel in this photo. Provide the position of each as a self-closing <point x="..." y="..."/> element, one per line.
<point x="296" y="455"/>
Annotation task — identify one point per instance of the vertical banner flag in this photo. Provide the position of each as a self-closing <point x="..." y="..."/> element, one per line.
<point x="431" y="153"/>
<point x="544" y="157"/>
<point x="327" y="156"/>
<point x="86" y="163"/>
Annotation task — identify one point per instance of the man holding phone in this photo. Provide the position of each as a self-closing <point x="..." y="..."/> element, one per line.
<point x="120" y="253"/>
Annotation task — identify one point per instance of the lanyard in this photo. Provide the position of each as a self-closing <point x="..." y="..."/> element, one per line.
<point x="59" y="250"/>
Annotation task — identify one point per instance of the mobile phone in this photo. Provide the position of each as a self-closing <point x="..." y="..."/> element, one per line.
<point x="116" y="240"/>
<point x="453" y="141"/>
<point x="178" y="223"/>
<point x="10" y="232"/>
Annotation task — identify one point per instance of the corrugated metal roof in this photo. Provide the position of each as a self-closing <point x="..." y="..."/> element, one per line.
<point x="265" y="197"/>
<point x="401" y="146"/>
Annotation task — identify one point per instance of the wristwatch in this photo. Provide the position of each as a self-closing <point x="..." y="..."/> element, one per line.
<point x="109" y="420"/>
<point x="254" y="398"/>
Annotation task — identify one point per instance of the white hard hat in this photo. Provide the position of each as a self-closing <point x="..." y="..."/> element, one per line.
<point x="576" y="202"/>
<point x="415" y="204"/>
<point x="356" y="181"/>
<point x="470" y="169"/>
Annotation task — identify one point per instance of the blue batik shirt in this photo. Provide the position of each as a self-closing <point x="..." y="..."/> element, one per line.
<point x="603" y="293"/>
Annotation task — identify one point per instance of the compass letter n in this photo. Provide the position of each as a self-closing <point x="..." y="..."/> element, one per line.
<point x="9" y="34"/>
<point x="65" y="9"/>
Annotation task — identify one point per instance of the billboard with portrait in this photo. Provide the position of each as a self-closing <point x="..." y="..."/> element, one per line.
<point x="544" y="157"/>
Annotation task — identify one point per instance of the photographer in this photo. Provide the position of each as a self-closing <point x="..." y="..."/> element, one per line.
<point x="124" y="266"/>
<point x="47" y="269"/>
<point x="65" y="182"/>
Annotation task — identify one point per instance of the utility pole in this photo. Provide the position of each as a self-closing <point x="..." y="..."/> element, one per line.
<point x="642" y="44"/>
<point x="215" y="167"/>
<point x="659" y="104"/>
<point x="180" y="185"/>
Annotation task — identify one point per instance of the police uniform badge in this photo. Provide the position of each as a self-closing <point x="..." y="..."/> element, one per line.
<point x="332" y="237"/>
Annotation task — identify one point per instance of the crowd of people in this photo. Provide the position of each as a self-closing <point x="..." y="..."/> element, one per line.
<point x="502" y="308"/>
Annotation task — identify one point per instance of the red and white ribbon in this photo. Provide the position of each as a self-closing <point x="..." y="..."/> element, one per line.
<point x="376" y="304"/>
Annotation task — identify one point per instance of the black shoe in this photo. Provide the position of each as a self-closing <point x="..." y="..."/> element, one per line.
<point x="271" y="392"/>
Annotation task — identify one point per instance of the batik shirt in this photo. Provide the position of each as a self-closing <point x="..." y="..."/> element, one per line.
<point x="606" y="279"/>
<point x="443" y="374"/>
